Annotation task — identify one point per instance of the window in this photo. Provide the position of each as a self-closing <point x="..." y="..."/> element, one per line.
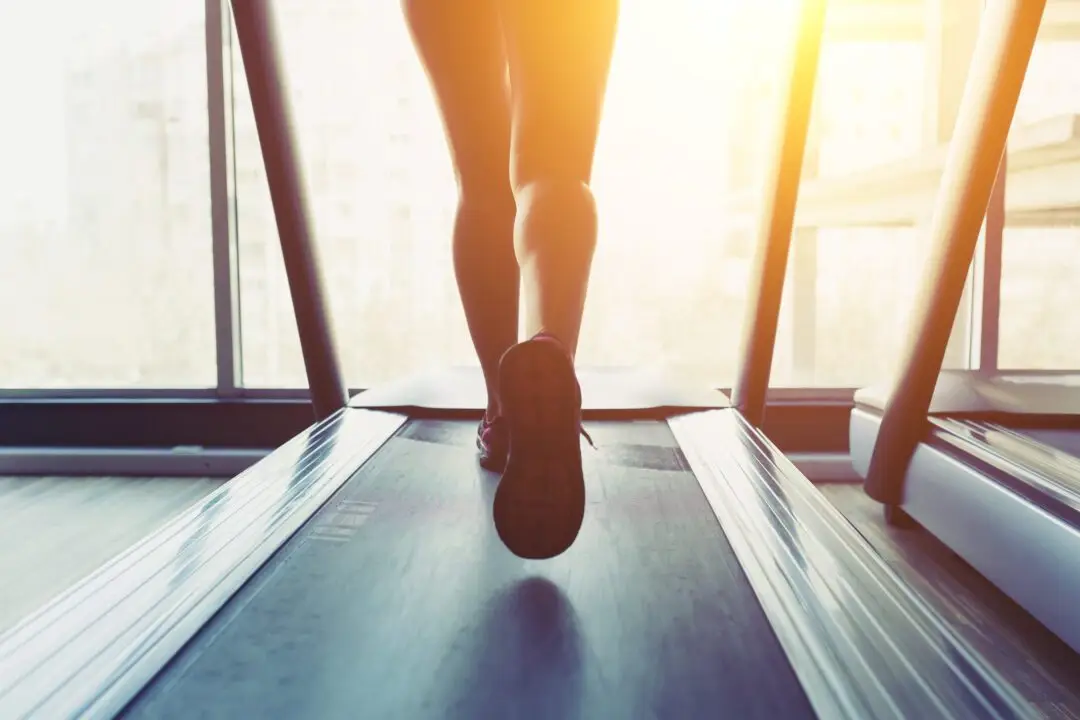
<point x="381" y="192"/>
<point x="105" y="207"/>
<point x="671" y="274"/>
<point x="1040" y="273"/>
<point x="681" y="137"/>
<point x="851" y="285"/>
<point x="1041" y="246"/>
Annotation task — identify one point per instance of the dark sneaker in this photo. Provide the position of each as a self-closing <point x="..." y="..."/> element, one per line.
<point x="493" y="442"/>
<point x="540" y="501"/>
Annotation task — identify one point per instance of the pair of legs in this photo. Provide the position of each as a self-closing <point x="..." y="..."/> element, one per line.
<point x="522" y="144"/>
<point x="520" y="85"/>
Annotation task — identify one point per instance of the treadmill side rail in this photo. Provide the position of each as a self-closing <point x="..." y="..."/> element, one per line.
<point x="93" y="648"/>
<point x="1017" y="526"/>
<point x="1051" y="477"/>
<point x="862" y="644"/>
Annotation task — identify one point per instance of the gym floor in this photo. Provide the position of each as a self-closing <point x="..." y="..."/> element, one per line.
<point x="57" y="530"/>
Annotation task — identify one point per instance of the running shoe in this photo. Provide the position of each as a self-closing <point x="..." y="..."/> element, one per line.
<point x="540" y="501"/>
<point x="493" y="442"/>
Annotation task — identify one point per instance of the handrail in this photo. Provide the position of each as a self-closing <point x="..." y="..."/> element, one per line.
<point x="777" y="218"/>
<point x="1006" y="40"/>
<point x="257" y="32"/>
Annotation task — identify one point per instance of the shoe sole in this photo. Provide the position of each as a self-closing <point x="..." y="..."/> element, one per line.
<point x="540" y="500"/>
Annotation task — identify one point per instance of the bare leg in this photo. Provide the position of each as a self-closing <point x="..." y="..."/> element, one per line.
<point x="460" y="43"/>
<point x="559" y="53"/>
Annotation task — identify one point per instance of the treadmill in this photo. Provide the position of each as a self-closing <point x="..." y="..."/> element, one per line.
<point x="355" y="572"/>
<point x="987" y="461"/>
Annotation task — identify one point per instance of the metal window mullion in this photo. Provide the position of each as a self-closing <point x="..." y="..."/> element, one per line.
<point x="222" y="199"/>
<point x="990" y="274"/>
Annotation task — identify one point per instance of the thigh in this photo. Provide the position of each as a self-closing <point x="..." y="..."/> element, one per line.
<point x="559" y="53"/>
<point x="460" y="44"/>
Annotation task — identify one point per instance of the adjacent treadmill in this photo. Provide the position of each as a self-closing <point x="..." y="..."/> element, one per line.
<point x="988" y="462"/>
<point x="354" y="571"/>
<point x="996" y="477"/>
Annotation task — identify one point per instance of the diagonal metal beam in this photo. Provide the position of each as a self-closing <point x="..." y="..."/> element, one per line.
<point x="257" y="33"/>
<point x="1006" y="39"/>
<point x="777" y="218"/>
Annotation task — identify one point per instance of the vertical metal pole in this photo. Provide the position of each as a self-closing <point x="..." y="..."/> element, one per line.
<point x="778" y="218"/>
<point x="990" y="267"/>
<point x="222" y="210"/>
<point x="1006" y="39"/>
<point x="257" y="32"/>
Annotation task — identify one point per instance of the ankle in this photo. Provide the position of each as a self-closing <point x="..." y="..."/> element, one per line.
<point x="549" y="336"/>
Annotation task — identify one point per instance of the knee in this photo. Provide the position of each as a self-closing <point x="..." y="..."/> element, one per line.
<point x="555" y="193"/>
<point x="569" y="205"/>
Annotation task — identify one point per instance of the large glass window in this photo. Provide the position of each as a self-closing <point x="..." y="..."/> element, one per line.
<point x="1041" y="246"/>
<point x="1040" y="273"/>
<point x="691" y="105"/>
<point x="854" y="271"/>
<point x="382" y="197"/>
<point x="890" y="83"/>
<point x="105" y="236"/>
<point x="668" y="288"/>
<point x="107" y="200"/>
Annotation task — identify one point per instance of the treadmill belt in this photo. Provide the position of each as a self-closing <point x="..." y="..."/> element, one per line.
<point x="398" y="600"/>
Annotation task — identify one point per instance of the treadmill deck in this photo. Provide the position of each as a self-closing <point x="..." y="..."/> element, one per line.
<point x="399" y="600"/>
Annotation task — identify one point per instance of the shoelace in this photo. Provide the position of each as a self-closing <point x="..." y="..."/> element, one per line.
<point x="588" y="438"/>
